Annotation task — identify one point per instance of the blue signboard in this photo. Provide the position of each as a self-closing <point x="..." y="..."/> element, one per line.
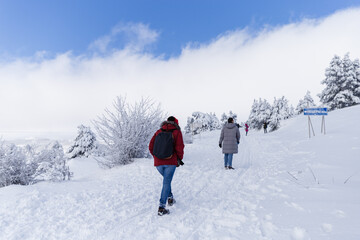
<point x="315" y="111"/>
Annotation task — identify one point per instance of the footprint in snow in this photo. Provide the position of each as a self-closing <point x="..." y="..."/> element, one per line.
<point x="295" y="206"/>
<point x="327" y="227"/>
<point x="339" y="213"/>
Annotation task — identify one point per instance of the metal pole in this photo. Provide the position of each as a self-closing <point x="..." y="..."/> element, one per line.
<point x="309" y="126"/>
<point x="322" y="123"/>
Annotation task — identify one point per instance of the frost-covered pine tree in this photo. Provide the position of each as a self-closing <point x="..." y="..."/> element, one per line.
<point x="352" y="75"/>
<point x="201" y="122"/>
<point x="127" y="130"/>
<point x="214" y="122"/>
<point x="275" y="117"/>
<point x="260" y="113"/>
<point x="341" y="84"/>
<point x="189" y="125"/>
<point x="253" y="115"/>
<point x="233" y="115"/>
<point x="224" y="118"/>
<point x="357" y="77"/>
<point x="280" y="111"/>
<point x="306" y="102"/>
<point x="84" y="143"/>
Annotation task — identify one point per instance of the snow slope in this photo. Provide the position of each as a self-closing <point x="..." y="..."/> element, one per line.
<point x="285" y="186"/>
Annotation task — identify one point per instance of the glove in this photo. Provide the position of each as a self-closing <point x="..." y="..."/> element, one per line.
<point x="219" y="145"/>
<point x="179" y="162"/>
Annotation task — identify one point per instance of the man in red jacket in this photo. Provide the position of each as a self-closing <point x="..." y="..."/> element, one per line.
<point x="167" y="166"/>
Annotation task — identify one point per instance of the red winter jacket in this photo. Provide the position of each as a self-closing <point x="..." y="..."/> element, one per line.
<point x="179" y="144"/>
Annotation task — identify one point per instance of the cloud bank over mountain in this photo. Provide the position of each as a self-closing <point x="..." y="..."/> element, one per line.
<point x="227" y="73"/>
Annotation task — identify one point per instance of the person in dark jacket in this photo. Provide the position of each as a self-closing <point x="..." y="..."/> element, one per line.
<point x="166" y="167"/>
<point x="265" y="127"/>
<point x="229" y="140"/>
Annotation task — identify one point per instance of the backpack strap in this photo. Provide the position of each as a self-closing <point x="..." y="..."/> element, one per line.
<point x="164" y="130"/>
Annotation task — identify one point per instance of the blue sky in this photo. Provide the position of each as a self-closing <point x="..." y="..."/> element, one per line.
<point x="64" y="62"/>
<point x="60" y="26"/>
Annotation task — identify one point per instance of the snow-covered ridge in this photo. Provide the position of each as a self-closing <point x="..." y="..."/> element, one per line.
<point x="285" y="186"/>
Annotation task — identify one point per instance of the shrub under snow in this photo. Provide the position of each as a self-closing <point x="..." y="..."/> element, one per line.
<point x="14" y="168"/>
<point x="127" y="130"/>
<point x="25" y="166"/>
<point x="51" y="163"/>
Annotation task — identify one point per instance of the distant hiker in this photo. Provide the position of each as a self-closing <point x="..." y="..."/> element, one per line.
<point x="167" y="148"/>
<point x="265" y="127"/>
<point x="246" y="128"/>
<point x="229" y="140"/>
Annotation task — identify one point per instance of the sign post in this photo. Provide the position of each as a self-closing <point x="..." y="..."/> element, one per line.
<point x="316" y="111"/>
<point x="323" y="125"/>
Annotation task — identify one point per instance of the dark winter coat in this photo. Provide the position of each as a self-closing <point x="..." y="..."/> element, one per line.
<point x="229" y="138"/>
<point x="178" y="144"/>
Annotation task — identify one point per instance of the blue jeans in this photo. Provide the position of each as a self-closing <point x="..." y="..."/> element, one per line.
<point x="228" y="159"/>
<point x="167" y="171"/>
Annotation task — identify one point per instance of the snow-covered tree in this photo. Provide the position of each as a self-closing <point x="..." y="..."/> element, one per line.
<point x="357" y="77"/>
<point x="84" y="143"/>
<point x="225" y="117"/>
<point x="201" y="122"/>
<point x="260" y="113"/>
<point x="52" y="163"/>
<point x="13" y="166"/>
<point x="127" y="130"/>
<point x="233" y="115"/>
<point x="214" y="122"/>
<point x="25" y="165"/>
<point x="341" y="84"/>
<point x="280" y="111"/>
<point x="306" y="102"/>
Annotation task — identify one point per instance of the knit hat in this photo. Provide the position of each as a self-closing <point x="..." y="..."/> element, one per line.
<point x="173" y="119"/>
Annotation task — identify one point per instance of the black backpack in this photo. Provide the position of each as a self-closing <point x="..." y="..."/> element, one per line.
<point x="164" y="144"/>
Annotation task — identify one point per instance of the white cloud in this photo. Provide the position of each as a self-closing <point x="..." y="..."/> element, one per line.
<point x="134" y="36"/>
<point x="225" y="74"/>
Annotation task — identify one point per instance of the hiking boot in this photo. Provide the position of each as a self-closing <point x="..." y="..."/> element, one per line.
<point x="171" y="201"/>
<point x="231" y="168"/>
<point x="163" y="211"/>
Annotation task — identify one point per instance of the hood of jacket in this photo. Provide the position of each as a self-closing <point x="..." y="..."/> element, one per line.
<point x="230" y="125"/>
<point x="169" y="125"/>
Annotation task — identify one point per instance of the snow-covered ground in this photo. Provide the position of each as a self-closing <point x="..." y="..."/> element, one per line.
<point x="285" y="186"/>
